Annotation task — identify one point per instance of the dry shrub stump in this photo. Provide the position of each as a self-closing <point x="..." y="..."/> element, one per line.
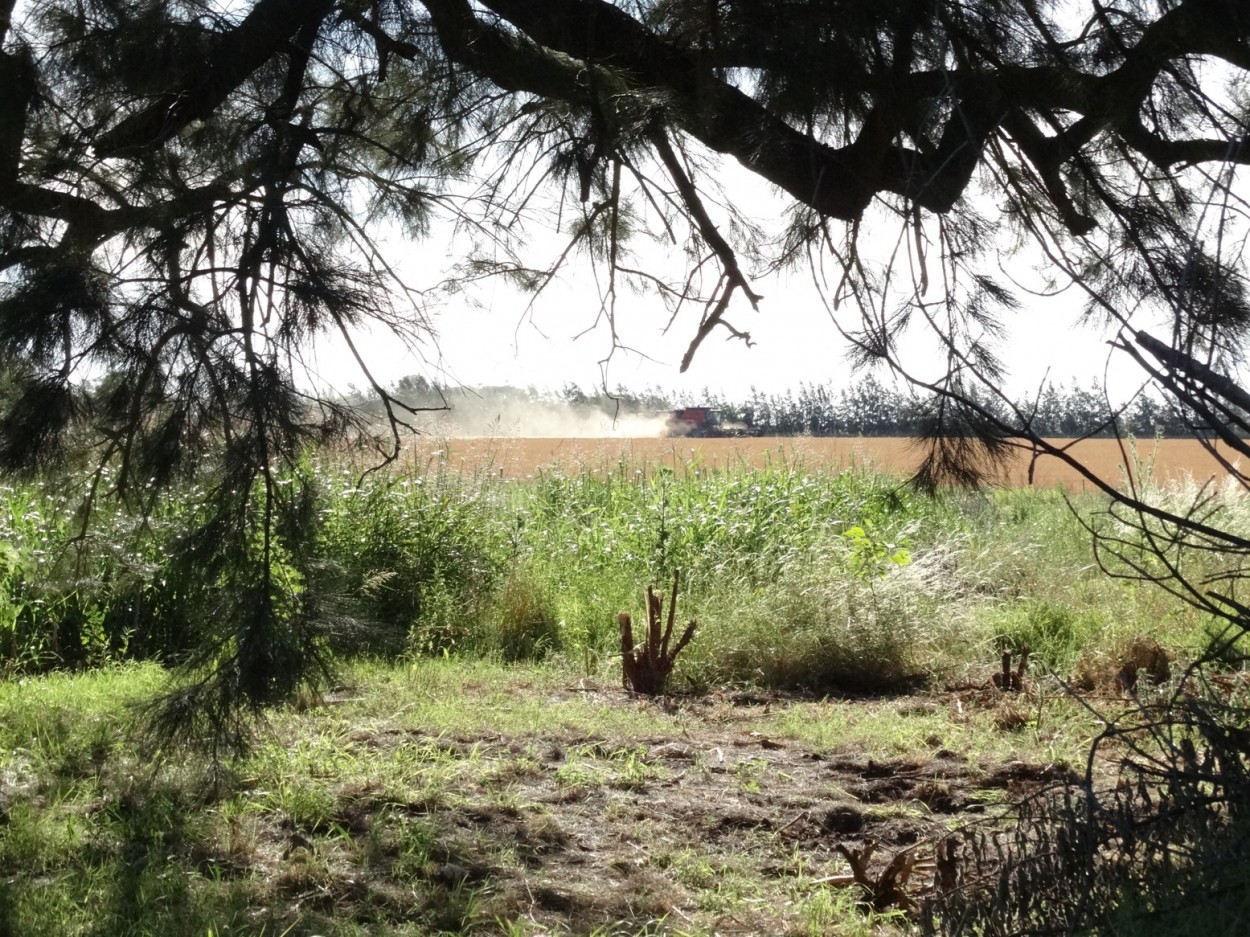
<point x="645" y="668"/>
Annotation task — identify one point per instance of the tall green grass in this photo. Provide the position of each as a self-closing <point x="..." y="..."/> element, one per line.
<point x="417" y="557"/>
<point x="83" y="581"/>
<point x="815" y="580"/>
<point x="801" y="577"/>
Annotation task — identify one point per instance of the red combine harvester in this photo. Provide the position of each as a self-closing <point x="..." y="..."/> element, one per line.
<point x="702" y="423"/>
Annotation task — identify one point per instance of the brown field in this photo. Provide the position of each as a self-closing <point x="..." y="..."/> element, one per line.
<point x="1173" y="460"/>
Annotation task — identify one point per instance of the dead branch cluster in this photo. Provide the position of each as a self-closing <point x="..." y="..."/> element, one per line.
<point x="888" y="889"/>
<point x="645" y="668"/>
<point x="1009" y="680"/>
<point x="1169" y="836"/>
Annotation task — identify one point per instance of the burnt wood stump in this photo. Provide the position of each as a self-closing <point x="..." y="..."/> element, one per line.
<point x="645" y="668"/>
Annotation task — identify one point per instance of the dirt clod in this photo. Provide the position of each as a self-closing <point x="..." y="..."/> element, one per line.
<point x="844" y="819"/>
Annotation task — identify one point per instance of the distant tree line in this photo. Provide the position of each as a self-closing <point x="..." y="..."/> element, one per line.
<point x="872" y="408"/>
<point x="869" y="407"/>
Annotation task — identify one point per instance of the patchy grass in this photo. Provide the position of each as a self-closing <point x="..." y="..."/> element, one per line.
<point x="838" y="694"/>
<point x="448" y="796"/>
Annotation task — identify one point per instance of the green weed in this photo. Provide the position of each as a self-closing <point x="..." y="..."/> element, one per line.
<point x="522" y="620"/>
<point x="1054" y="634"/>
<point x="799" y="577"/>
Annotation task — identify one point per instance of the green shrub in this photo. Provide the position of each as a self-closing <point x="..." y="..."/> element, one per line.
<point x="824" y="640"/>
<point x="523" y="624"/>
<point x="800" y="577"/>
<point x="420" y="556"/>
<point x="1055" y="634"/>
<point x="846" y="618"/>
<point x="72" y="596"/>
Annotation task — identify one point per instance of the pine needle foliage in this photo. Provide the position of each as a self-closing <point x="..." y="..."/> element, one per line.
<point x="192" y="192"/>
<point x="1163" y="850"/>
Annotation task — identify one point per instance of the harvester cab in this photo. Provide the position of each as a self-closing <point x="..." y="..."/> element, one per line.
<point x="695" y="422"/>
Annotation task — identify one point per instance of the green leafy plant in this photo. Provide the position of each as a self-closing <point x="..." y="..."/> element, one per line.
<point x="871" y="557"/>
<point x="522" y="619"/>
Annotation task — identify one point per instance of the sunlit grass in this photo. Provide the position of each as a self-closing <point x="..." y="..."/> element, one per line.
<point x="404" y="801"/>
<point x="801" y="577"/>
<point x="477" y="722"/>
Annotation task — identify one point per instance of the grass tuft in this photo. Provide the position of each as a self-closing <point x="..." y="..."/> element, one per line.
<point x="522" y="620"/>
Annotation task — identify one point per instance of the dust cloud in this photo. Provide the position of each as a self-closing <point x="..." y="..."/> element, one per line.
<point x="505" y="413"/>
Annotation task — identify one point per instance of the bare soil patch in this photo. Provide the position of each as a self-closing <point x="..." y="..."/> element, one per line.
<point x="719" y="828"/>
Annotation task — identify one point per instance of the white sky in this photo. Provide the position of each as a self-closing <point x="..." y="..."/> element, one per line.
<point x="500" y="339"/>
<point x="493" y="335"/>
<point x="795" y="342"/>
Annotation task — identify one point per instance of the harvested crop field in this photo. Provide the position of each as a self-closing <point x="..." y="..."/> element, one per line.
<point x="1169" y="460"/>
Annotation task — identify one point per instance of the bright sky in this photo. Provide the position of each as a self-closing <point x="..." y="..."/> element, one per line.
<point x="493" y="335"/>
<point x="795" y="342"/>
<point x="504" y="341"/>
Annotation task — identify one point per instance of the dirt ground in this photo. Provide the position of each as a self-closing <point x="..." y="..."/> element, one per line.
<point x="720" y="829"/>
